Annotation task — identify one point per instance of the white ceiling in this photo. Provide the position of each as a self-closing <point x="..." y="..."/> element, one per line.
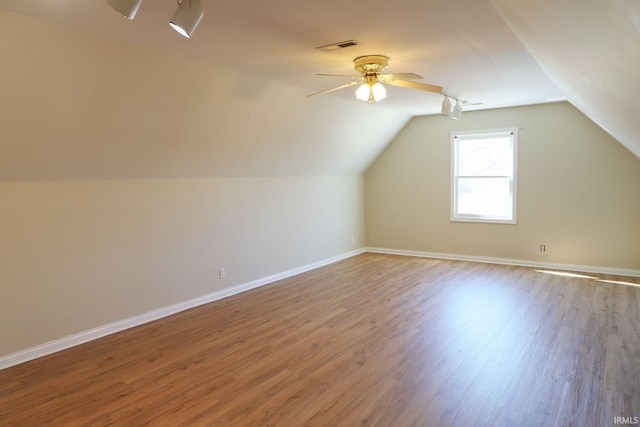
<point x="463" y="45"/>
<point x="259" y="62"/>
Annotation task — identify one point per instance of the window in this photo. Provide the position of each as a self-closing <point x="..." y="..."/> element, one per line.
<point x="483" y="175"/>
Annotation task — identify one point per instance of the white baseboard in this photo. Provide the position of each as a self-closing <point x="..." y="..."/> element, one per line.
<point x="510" y="261"/>
<point x="120" y="325"/>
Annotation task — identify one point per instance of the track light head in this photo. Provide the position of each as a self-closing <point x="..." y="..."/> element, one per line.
<point x="446" y="107"/>
<point x="187" y="17"/>
<point x="128" y="8"/>
<point x="457" y="111"/>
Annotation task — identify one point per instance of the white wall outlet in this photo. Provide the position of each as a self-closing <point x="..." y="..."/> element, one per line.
<point x="543" y="248"/>
<point x="221" y="273"/>
<point x="353" y="239"/>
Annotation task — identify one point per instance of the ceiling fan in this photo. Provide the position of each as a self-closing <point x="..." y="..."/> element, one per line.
<point x="371" y="80"/>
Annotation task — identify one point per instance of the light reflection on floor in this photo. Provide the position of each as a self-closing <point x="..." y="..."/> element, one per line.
<point x="617" y="282"/>
<point x="566" y="274"/>
<point x="582" y="276"/>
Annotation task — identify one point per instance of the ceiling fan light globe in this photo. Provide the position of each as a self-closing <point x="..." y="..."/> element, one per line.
<point x="363" y="92"/>
<point x="128" y="8"/>
<point x="187" y="16"/>
<point x="379" y="92"/>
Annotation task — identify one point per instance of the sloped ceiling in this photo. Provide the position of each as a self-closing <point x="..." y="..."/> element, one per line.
<point x="463" y="46"/>
<point x="591" y="50"/>
<point x="88" y="94"/>
<point x="78" y="106"/>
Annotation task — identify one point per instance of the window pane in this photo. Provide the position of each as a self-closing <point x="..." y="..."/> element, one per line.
<point x="481" y="157"/>
<point x="487" y="197"/>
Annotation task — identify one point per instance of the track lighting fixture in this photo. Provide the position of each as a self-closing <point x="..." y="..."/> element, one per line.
<point x="446" y="110"/>
<point x="128" y="8"/>
<point x="185" y="20"/>
<point x="456" y="113"/>
<point x="187" y="17"/>
<point x="446" y="107"/>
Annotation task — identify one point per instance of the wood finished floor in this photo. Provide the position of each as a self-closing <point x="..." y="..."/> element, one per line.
<point x="373" y="340"/>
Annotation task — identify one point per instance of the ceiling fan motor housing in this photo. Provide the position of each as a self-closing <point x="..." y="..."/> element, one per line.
<point x="371" y="64"/>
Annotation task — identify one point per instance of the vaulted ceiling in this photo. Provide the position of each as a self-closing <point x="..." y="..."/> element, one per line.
<point x="464" y="46"/>
<point x="591" y="50"/>
<point x="92" y="95"/>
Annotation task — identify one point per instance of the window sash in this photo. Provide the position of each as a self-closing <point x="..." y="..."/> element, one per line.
<point x="503" y="207"/>
<point x="505" y="211"/>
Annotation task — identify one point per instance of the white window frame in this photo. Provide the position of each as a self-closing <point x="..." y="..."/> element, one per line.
<point x="513" y="132"/>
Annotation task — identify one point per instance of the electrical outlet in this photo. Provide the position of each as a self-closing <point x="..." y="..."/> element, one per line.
<point x="353" y="239"/>
<point x="543" y="248"/>
<point x="221" y="273"/>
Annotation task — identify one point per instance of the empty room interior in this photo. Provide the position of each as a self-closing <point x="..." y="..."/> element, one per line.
<point x="337" y="213"/>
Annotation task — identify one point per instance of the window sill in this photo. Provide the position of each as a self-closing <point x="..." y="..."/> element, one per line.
<point x="485" y="220"/>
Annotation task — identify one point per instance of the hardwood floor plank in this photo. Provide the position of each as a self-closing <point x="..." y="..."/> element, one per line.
<point x="373" y="340"/>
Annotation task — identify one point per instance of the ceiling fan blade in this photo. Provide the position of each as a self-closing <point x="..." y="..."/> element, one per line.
<point x="405" y="76"/>
<point x="339" y="75"/>
<point x="334" y="88"/>
<point x="415" y="85"/>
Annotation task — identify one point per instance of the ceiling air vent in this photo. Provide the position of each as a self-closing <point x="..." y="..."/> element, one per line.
<point x="336" y="46"/>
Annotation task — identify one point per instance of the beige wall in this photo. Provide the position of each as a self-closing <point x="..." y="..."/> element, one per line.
<point x="115" y="196"/>
<point x="578" y="191"/>
<point x="79" y="254"/>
